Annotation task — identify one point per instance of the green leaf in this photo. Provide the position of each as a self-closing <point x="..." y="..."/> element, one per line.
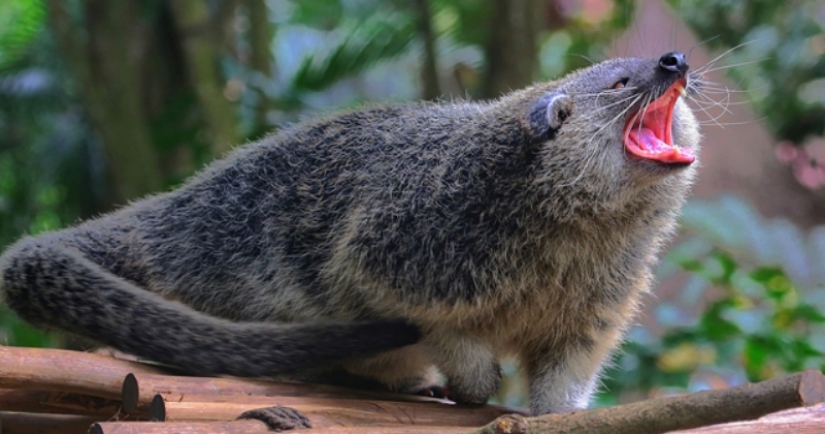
<point x="755" y="355"/>
<point x="802" y="349"/>
<point x="807" y="312"/>
<point x="728" y="265"/>
<point x="320" y="14"/>
<point x="460" y="19"/>
<point x="714" y="326"/>
<point x="765" y="274"/>
<point x="20" y="21"/>
<point x="692" y="265"/>
<point x="365" y="45"/>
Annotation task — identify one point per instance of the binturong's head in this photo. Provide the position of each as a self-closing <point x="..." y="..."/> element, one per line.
<point x="614" y="134"/>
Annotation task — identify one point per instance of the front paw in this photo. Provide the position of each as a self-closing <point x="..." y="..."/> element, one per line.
<point x="475" y="390"/>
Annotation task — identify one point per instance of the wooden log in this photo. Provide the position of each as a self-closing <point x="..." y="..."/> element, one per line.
<point x="805" y="420"/>
<point x="26" y="401"/>
<point x="386" y="430"/>
<point x="34" y="401"/>
<point x="32" y="423"/>
<point x="239" y="427"/>
<point x="139" y="389"/>
<point x="252" y="427"/>
<point x="810" y="420"/>
<point x="65" y="371"/>
<point x="673" y="413"/>
<point x="325" y="412"/>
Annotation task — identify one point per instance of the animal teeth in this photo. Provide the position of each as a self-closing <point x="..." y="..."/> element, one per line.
<point x="681" y="89"/>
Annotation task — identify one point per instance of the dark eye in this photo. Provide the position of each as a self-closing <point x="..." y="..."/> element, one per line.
<point x="621" y="83"/>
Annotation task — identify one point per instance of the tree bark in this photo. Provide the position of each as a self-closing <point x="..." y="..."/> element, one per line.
<point x="65" y="371"/>
<point x="30" y="423"/>
<point x="254" y="427"/>
<point x="260" y="41"/>
<point x="326" y="412"/>
<point x="807" y="420"/>
<point x="678" y="412"/>
<point x="90" y="387"/>
<point x="202" y="55"/>
<point x="512" y="50"/>
<point x="430" y="86"/>
<point x="33" y="401"/>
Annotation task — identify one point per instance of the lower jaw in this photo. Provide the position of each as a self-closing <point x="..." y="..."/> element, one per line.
<point x="655" y="167"/>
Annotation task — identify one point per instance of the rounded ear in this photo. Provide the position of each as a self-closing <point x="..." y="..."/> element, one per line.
<point x="548" y="114"/>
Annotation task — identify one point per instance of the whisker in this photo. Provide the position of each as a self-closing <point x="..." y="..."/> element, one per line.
<point x="608" y="91"/>
<point x="589" y="159"/>
<point x="712" y="118"/>
<point x="613" y="104"/>
<point x="583" y="57"/>
<point x="708" y="89"/>
<point x="735" y="65"/>
<point x="724" y="53"/>
<point x="699" y="44"/>
<point x="729" y="124"/>
<point x="708" y="103"/>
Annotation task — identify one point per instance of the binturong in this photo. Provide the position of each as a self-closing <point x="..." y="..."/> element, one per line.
<point x="396" y="242"/>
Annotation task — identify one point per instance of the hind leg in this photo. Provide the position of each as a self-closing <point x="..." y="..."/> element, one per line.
<point x="405" y="370"/>
<point x="470" y="366"/>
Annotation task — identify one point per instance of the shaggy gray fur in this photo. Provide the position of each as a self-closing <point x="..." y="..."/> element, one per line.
<point x="463" y="232"/>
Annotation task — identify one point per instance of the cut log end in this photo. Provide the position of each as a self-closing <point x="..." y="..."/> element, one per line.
<point x="130" y="393"/>
<point x="811" y="387"/>
<point x="157" y="409"/>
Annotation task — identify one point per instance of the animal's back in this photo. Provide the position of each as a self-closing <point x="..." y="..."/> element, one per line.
<point x="526" y="226"/>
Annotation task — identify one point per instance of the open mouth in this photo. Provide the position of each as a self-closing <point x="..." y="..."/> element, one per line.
<point x="648" y="134"/>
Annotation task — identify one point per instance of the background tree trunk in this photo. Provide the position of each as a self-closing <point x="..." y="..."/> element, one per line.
<point x="512" y="50"/>
<point x="103" y="55"/>
<point x="201" y="41"/>
<point x="430" y="88"/>
<point x="260" y="41"/>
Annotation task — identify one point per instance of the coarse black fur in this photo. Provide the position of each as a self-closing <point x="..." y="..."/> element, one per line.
<point x="478" y="230"/>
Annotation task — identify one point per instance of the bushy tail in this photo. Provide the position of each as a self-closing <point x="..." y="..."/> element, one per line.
<point x="50" y="285"/>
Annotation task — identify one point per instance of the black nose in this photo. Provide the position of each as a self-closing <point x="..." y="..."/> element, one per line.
<point x="674" y="62"/>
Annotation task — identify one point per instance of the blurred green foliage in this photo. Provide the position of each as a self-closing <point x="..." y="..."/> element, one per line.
<point x="364" y="44"/>
<point x="49" y="165"/>
<point x="20" y="21"/>
<point x="756" y="326"/>
<point x="761" y="289"/>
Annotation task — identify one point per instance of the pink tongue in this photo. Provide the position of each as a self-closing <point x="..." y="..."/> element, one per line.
<point x="649" y="147"/>
<point x="650" y="141"/>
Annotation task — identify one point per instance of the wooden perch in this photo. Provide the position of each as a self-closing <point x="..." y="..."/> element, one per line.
<point x="65" y="371"/>
<point x="324" y="412"/>
<point x="140" y="388"/>
<point x="34" y="401"/>
<point x="679" y="412"/>
<point x="43" y="391"/>
<point x="806" y="420"/>
<point x="809" y="420"/>
<point x="30" y="423"/>
<point x="253" y="427"/>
